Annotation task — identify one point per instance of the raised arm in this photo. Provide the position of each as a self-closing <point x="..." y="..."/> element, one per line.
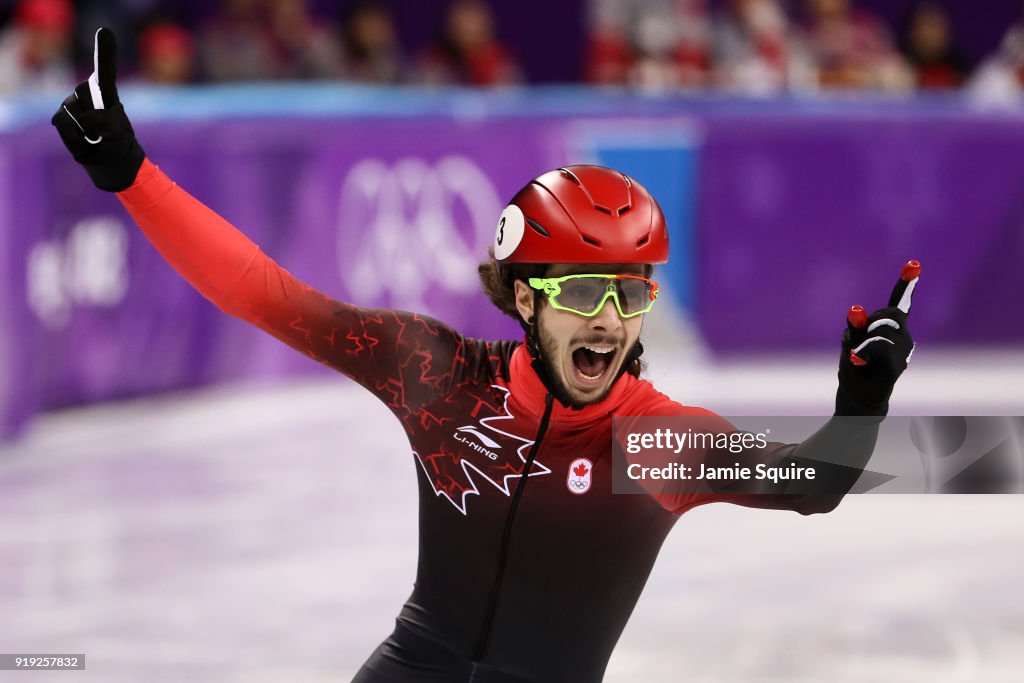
<point x="405" y="359"/>
<point x="875" y="352"/>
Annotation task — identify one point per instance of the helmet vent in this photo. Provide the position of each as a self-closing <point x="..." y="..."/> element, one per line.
<point x="643" y="240"/>
<point x="569" y="174"/>
<point x="591" y="241"/>
<point x="538" y="228"/>
<point x="603" y="190"/>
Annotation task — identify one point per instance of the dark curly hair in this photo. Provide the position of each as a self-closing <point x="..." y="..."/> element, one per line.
<point x="498" y="283"/>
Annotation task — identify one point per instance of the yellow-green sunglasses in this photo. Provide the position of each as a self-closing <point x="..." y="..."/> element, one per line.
<point x="586" y="294"/>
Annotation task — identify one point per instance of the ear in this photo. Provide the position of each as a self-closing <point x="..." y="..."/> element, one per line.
<point x="524" y="300"/>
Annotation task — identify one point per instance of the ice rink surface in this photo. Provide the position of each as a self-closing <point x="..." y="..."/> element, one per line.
<point x="268" y="533"/>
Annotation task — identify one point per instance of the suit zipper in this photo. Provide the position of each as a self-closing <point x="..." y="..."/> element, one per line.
<point x="492" y="603"/>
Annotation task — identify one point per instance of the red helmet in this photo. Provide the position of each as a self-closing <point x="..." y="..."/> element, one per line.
<point x="582" y="214"/>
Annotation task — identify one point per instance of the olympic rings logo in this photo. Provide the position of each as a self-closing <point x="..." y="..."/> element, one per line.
<point x="578" y="484"/>
<point x="409" y="226"/>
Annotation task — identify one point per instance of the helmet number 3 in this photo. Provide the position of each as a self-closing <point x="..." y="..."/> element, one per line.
<point x="509" y="232"/>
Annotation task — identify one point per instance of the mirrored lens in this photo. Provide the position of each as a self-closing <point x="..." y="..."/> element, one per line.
<point x="583" y="294"/>
<point x="634" y="295"/>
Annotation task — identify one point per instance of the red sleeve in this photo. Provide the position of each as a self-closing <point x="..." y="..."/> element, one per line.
<point x="407" y="360"/>
<point x="681" y="499"/>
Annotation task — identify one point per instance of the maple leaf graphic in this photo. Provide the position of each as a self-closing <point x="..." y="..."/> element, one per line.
<point x="580" y="470"/>
<point x="454" y="472"/>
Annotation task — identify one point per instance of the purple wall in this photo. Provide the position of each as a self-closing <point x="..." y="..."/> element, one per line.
<point x="804" y="216"/>
<point x="803" y="210"/>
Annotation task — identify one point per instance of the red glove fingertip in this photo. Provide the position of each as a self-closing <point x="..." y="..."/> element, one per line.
<point x="911" y="270"/>
<point x="857" y="316"/>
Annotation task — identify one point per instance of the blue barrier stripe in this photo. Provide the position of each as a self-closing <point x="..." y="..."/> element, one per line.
<point x="332" y="99"/>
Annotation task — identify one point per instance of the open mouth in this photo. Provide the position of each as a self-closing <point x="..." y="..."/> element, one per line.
<point x="591" y="363"/>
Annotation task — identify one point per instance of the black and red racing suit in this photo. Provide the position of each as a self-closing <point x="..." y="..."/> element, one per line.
<point x="520" y="578"/>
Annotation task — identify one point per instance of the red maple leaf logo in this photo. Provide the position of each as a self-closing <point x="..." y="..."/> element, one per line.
<point x="580" y="470"/>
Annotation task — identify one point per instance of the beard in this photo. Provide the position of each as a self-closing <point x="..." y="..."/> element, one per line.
<point x="560" y="390"/>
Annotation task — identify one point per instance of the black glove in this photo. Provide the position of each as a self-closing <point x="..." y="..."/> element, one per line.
<point x="94" y="127"/>
<point x="876" y="350"/>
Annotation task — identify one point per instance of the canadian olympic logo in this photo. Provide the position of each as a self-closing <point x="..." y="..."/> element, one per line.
<point x="410" y="226"/>
<point x="579" y="477"/>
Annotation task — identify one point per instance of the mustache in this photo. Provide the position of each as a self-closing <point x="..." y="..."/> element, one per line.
<point x="599" y="340"/>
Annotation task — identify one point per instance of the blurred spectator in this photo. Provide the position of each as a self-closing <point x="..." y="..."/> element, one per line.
<point x="236" y="44"/>
<point x="610" y="54"/>
<point x="673" y="46"/>
<point x="370" y="45"/>
<point x="124" y="17"/>
<point x="756" y="51"/>
<point x="35" y="47"/>
<point x="928" y="46"/>
<point x="650" y="44"/>
<point x="852" y="48"/>
<point x="268" y="39"/>
<point x="166" y="54"/>
<point x="1000" y="78"/>
<point x="305" y="46"/>
<point x="469" y="51"/>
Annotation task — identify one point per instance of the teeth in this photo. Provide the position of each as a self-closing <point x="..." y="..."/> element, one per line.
<point x="599" y="349"/>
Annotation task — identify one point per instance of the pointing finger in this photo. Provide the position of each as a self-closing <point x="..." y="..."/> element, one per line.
<point x="103" y="80"/>
<point x="904" y="289"/>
